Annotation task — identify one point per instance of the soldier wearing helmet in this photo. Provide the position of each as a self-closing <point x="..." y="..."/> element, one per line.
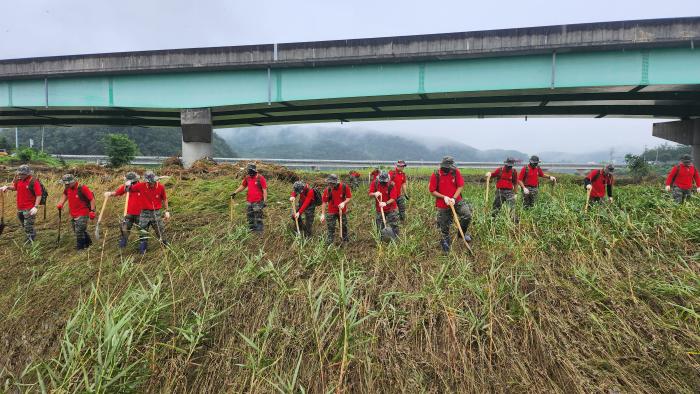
<point x="134" y="205"/>
<point x="256" y="198"/>
<point x="529" y="180"/>
<point x="507" y="180"/>
<point x="398" y="176"/>
<point x="81" y="204"/>
<point x="385" y="193"/>
<point x="681" y="178"/>
<point x="29" y="194"/>
<point x="153" y="201"/>
<point x="336" y="198"/>
<point x="599" y="182"/>
<point x="306" y="199"/>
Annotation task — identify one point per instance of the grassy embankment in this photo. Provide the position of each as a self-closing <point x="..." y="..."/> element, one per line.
<point x="564" y="301"/>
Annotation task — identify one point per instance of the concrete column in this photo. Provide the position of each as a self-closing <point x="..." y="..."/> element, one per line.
<point x="196" y="135"/>
<point x="686" y="132"/>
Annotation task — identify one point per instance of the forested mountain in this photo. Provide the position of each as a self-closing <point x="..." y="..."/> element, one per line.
<point x="331" y="143"/>
<point x="152" y="141"/>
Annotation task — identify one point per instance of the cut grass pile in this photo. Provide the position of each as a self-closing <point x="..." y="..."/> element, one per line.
<point x="561" y="302"/>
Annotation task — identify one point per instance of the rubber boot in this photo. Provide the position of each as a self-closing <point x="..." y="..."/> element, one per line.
<point x="445" y="246"/>
<point x="88" y="240"/>
<point x="79" y="244"/>
<point x="143" y="245"/>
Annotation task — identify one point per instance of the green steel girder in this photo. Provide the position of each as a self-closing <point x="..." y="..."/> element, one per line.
<point x="500" y="86"/>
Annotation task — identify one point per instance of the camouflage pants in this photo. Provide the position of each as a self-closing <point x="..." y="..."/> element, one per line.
<point x="82" y="238"/>
<point x="503" y="196"/>
<point x="392" y="220"/>
<point x="27" y="222"/>
<point x="681" y="195"/>
<point x="529" y="199"/>
<point x="151" y="218"/>
<point x="254" y="212"/>
<point x="444" y="219"/>
<point x="401" y="202"/>
<point x="306" y="220"/>
<point x="127" y="223"/>
<point x="331" y="219"/>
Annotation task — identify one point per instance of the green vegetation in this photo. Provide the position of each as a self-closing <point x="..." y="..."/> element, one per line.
<point x="666" y="153"/>
<point x="84" y="140"/>
<point x="637" y="166"/>
<point x="31" y="155"/>
<point x="120" y="149"/>
<point x="561" y="302"/>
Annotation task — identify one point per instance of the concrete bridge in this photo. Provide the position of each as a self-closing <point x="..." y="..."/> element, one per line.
<point x="646" y="68"/>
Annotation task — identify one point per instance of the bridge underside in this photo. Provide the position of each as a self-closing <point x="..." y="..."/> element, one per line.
<point x="661" y="101"/>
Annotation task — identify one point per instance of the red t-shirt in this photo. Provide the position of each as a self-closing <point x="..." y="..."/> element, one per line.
<point x="399" y="178"/>
<point x="386" y="196"/>
<point x="307" y="196"/>
<point x="505" y="177"/>
<point x="25" y="197"/>
<point x="336" y="198"/>
<point x="448" y="186"/>
<point x="533" y="176"/>
<point x="600" y="183"/>
<point x="152" y="197"/>
<point x="685" y="175"/>
<point x="255" y="193"/>
<point x="77" y="206"/>
<point x="135" y="204"/>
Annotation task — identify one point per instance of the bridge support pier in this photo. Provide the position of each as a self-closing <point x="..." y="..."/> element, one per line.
<point x="196" y="135"/>
<point x="686" y="132"/>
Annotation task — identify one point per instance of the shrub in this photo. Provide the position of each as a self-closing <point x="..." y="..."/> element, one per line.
<point x="637" y="166"/>
<point x="120" y="149"/>
<point x="25" y="155"/>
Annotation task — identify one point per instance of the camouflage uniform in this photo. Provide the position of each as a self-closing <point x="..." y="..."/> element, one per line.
<point x="331" y="218"/>
<point x="401" y="203"/>
<point x="681" y="195"/>
<point x="503" y="195"/>
<point x="254" y="212"/>
<point x="529" y="199"/>
<point x="27" y="222"/>
<point x="151" y="218"/>
<point x="126" y="225"/>
<point x="392" y="220"/>
<point x="306" y="220"/>
<point x="82" y="238"/>
<point x="444" y="219"/>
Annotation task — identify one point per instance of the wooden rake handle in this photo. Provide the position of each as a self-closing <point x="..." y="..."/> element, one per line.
<point x="102" y="211"/>
<point x="588" y="199"/>
<point x="459" y="227"/>
<point x="381" y="209"/>
<point x="296" y="219"/>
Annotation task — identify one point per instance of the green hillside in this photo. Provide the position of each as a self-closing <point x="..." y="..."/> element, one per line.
<point x="152" y="141"/>
<point x="564" y="301"/>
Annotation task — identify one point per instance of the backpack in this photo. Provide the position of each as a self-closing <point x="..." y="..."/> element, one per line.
<point x="44" y="192"/>
<point x="452" y="172"/>
<point x="391" y="187"/>
<point x="318" y="196"/>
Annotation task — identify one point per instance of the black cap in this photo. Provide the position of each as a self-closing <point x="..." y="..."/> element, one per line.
<point x="509" y="161"/>
<point x="534" y="159"/>
<point x="610" y="168"/>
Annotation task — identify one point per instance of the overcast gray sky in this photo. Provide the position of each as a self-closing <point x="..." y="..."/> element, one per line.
<point x="30" y="28"/>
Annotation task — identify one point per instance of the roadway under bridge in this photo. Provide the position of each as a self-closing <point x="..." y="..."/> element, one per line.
<point x="646" y="68"/>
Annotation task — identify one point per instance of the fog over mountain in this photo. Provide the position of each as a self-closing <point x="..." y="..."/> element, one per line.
<point x="332" y="142"/>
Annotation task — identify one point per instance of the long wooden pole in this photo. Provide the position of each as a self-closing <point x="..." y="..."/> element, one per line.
<point x="588" y="199"/>
<point x="296" y="219"/>
<point x="459" y="227"/>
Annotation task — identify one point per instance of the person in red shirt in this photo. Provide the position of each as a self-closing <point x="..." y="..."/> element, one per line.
<point x="336" y="197"/>
<point x="81" y="203"/>
<point x="398" y="176"/>
<point x="507" y="179"/>
<point x="385" y="193"/>
<point x="446" y="186"/>
<point x="529" y="180"/>
<point x="598" y="181"/>
<point x="681" y="178"/>
<point x="256" y="197"/>
<point x="305" y="205"/>
<point x="133" y="206"/>
<point x="28" y="199"/>
<point x="153" y="199"/>
<point x="373" y="175"/>
<point x="354" y="179"/>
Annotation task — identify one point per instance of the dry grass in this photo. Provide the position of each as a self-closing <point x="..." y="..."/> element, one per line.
<point x="562" y="302"/>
